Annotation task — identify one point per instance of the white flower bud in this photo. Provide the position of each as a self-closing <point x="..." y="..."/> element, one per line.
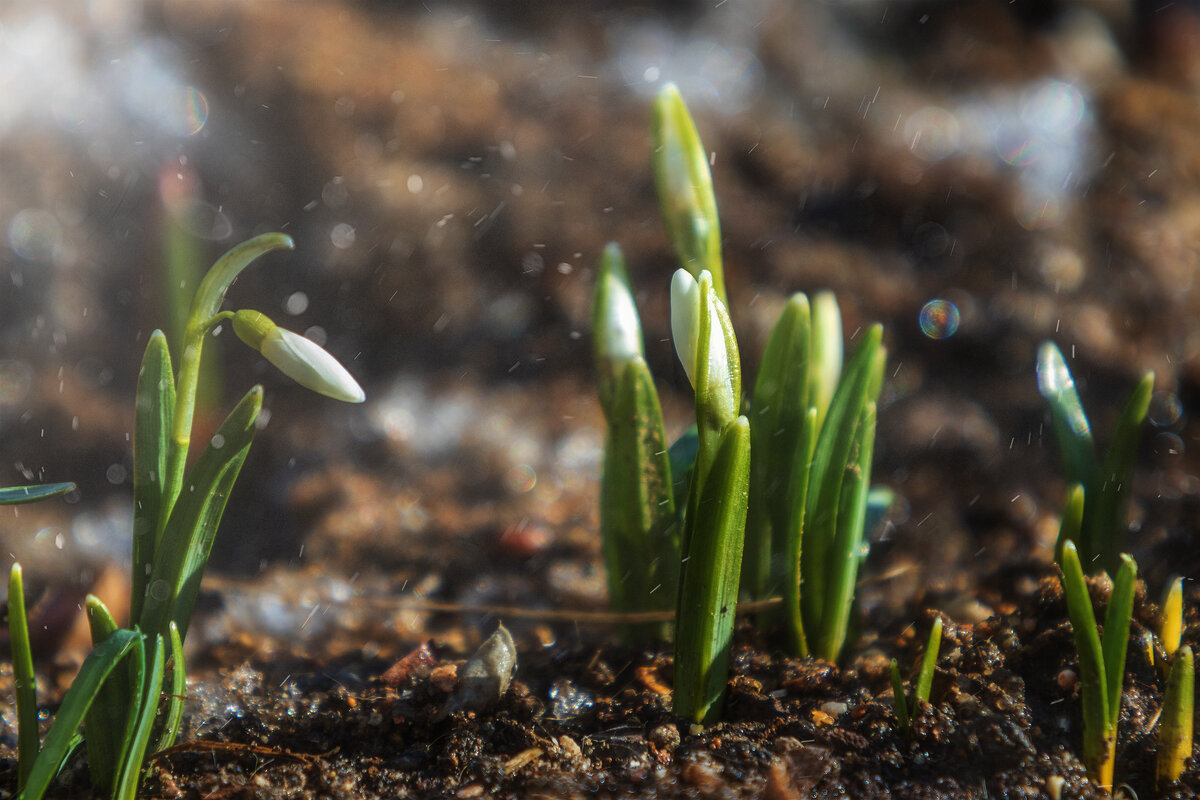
<point x="722" y="389"/>
<point x="300" y="358"/>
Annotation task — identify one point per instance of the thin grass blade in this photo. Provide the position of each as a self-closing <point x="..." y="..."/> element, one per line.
<point x="928" y="665"/>
<point x="62" y="738"/>
<point x="181" y="557"/>
<point x="793" y="547"/>
<point x="154" y="409"/>
<point x="704" y="627"/>
<point x="24" y="680"/>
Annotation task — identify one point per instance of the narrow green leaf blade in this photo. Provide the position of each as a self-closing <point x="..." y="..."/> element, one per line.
<point x="844" y="555"/>
<point x="1091" y="661"/>
<point x="827" y="352"/>
<point x="174" y="714"/>
<point x="708" y="596"/>
<point x="1074" y="433"/>
<point x="1175" y="729"/>
<point x="899" y="703"/>
<point x="639" y="528"/>
<point x="685" y="189"/>
<point x="1170" y="626"/>
<point x="109" y="721"/>
<point x="18" y="495"/>
<point x="793" y="548"/>
<point x="1072" y="521"/>
<point x="928" y="664"/>
<point x="61" y="737"/>
<point x="1115" y="640"/>
<point x="142" y="716"/>
<point x="778" y="409"/>
<point x="24" y="680"/>
<point x="186" y="543"/>
<point x="835" y="444"/>
<point x="1108" y="503"/>
<point x="154" y="409"/>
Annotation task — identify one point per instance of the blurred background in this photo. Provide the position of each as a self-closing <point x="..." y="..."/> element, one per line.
<point x="980" y="176"/>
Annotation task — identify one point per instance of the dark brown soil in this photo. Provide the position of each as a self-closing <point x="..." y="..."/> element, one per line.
<point x="450" y="173"/>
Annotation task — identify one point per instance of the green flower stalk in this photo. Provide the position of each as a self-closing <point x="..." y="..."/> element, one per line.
<point x="685" y="188"/>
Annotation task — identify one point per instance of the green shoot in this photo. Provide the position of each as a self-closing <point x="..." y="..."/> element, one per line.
<point x="685" y="189"/>
<point x="1107" y="484"/>
<point x="924" y="682"/>
<point x="638" y="524"/>
<point x="1170" y="629"/>
<point x="24" y="681"/>
<point x="1101" y="659"/>
<point x="1175" y="728"/>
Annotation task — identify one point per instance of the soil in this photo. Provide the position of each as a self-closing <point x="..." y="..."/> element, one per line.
<point x="450" y="173"/>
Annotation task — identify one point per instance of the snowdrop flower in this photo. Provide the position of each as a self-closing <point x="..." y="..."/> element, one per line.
<point x="617" y="316"/>
<point x="723" y="379"/>
<point x="298" y="357"/>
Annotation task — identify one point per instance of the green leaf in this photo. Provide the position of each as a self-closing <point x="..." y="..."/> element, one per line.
<point x="928" y="664"/>
<point x="899" y="703"/>
<point x="61" y="738"/>
<point x="174" y="714"/>
<point x="685" y="189"/>
<point x="1094" y="685"/>
<point x="682" y="455"/>
<point x="793" y="547"/>
<point x="827" y="348"/>
<point x="135" y="752"/>
<point x="1071" y="426"/>
<point x="186" y="543"/>
<point x="616" y="329"/>
<point x="24" y="680"/>
<point x="1170" y="624"/>
<point x="1108" y="502"/>
<point x="837" y="449"/>
<point x="18" y="495"/>
<point x="154" y="408"/>
<point x="1072" y="521"/>
<point x="708" y="593"/>
<point x="638" y="525"/>
<point x="778" y="411"/>
<point x="1115" y="640"/>
<point x="1175" y="729"/>
<point x="844" y="555"/>
<point x="109" y="723"/>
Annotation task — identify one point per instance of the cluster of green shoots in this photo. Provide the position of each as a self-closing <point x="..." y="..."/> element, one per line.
<point x="1092" y="533"/>
<point x="781" y="476"/>
<point x="128" y="695"/>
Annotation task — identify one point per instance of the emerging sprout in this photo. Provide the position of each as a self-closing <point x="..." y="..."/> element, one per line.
<point x="721" y="373"/>
<point x="298" y="357"/>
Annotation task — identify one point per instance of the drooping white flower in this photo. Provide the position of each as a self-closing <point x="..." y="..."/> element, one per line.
<point x="298" y="357"/>
<point x="721" y="387"/>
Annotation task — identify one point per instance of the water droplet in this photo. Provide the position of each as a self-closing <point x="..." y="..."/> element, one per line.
<point x="342" y="236"/>
<point x="1165" y="409"/>
<point x="34" y="234"/>
<point x="218" y="441"/>
<point x="939" y="319"/>
<point x="296" y="303"/>
<point x="159" y="590"/>
<point x="116" y="474"/>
